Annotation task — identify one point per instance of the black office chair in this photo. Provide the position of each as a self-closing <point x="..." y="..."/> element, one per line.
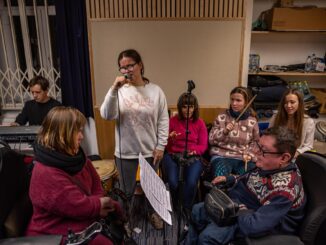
<point x="15" y="206"/>
<point x="313" y="229"/>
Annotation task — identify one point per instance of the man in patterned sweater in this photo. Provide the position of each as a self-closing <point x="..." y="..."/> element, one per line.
<point x="273" y="192"/>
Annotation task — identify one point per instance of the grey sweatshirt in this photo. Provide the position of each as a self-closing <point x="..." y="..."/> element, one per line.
<point x="144" y="120"/>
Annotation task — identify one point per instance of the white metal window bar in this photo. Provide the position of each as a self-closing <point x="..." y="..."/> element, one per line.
<point x="27" y="49"/>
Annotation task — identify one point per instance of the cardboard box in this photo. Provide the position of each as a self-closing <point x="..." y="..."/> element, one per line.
<point x="320" y="95"/>
<point x="288" y="19"/>
<point x="284" y="3"/>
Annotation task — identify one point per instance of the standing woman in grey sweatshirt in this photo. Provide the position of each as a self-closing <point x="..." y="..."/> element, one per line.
<point x="142" y="122"/>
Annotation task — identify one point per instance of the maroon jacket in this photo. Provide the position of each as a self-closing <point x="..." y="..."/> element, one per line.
<point x="60" y="201"/>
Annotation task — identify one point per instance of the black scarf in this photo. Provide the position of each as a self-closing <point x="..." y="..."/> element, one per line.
<point x="70" y="164"/>
<point x="235" y="114"/>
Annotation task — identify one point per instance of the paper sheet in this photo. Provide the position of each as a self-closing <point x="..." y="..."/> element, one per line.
<point x="155" y="190"/>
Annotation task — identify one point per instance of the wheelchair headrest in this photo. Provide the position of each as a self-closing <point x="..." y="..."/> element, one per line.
<point x="313" y="169"/>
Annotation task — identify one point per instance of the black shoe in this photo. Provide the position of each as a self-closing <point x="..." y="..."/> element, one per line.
<point x="187" y="215"/>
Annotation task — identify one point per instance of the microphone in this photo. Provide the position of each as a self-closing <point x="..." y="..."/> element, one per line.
<point x="121" y="83"/>
<point x="127" y="76"/>
<point x="191" y="85"/>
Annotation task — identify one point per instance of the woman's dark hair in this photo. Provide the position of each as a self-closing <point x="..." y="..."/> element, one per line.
<point x="133" y="54"/>
<point x="282" y="116"/>
<point x="247" y="95"/>
<point x="183" y="100"/>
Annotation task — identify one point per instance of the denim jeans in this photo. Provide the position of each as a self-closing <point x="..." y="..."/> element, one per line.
<point x="191" y="176"/>
<point x="204" y="231"/>
<point x="223" y="166"/>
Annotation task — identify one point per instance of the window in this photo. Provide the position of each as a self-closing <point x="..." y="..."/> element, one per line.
<point x="27" y="49"/>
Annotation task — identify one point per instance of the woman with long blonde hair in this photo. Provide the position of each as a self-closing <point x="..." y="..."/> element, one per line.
<point x="291" y="114"/>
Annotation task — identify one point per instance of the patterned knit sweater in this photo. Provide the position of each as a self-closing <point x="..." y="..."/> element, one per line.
<point x="277" y="198"/>
<point x="239" y="140"/>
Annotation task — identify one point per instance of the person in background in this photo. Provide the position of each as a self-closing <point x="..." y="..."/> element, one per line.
<point x="197" y="145"/>
<point x="232" y="141"/>
<point x="65" y="189"/>
<point x="271" y="197"/>
<point x="291" y="114"/>
<point x="140" y="109"/>
<point x="35" y="110"/>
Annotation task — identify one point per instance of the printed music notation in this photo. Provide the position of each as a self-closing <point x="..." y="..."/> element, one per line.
<point x="155" y="190"/>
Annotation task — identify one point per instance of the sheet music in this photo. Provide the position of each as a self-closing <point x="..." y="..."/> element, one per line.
<point x="155" y="190"/>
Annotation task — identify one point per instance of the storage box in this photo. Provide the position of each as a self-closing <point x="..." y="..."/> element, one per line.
<point x="284" y="3"/>
<point x="287" y="19"/>
<point x="320" y="95"/>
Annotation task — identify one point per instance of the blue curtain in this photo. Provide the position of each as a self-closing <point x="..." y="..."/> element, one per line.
<point x="72" y="41"/>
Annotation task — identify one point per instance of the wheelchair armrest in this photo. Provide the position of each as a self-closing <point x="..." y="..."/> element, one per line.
<point x="35" y="240"/>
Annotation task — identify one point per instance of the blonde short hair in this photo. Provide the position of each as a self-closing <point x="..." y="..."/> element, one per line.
<point x="59" y="128"/>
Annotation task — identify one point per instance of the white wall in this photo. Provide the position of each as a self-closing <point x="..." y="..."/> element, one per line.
<point x="207" y="52"/>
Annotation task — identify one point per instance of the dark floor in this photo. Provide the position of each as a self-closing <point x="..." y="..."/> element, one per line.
<point x="149" y="235"/>
<point x="142" y="230"/>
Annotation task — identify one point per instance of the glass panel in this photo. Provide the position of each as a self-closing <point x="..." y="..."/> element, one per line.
<point x="14" y="3"/>
<point x="55" y="55"/>
<point x="39" y="2"/>
<point x="19" y="43"/>
<point x="34" y="44"/>
<point x="14" y="80"/>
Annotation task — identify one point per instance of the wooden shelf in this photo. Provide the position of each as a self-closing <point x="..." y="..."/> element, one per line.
<point x="315" y="74"/>
<point x="272" y="32"/>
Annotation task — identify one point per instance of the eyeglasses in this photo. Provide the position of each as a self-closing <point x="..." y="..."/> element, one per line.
<point x="261" y="151"/>
<point x="127" y="68"/>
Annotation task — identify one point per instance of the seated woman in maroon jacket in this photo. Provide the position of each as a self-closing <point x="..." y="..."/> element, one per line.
<point x="65" y="189"/>
<point x="197" y="144"/>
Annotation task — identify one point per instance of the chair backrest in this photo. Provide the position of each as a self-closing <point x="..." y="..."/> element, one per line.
<point x="313" y="170"/>
<point x="15" y="205"/>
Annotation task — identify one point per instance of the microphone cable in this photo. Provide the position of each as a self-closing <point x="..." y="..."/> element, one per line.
<point x="120" y="156"/>
<point x="119" y="132"/>
<point x="127" y="199"/>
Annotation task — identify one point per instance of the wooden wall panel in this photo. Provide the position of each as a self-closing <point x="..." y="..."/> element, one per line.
<point x="158" y="9"/>
<point x="209" y="114"/>
<point x="105" y="135"/>
<point x="109" y="11"/>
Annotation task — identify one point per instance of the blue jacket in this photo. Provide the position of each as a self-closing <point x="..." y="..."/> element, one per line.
<point x="276" y="198"/>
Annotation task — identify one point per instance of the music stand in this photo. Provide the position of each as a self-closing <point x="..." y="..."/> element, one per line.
<point x="182" y="162"/>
